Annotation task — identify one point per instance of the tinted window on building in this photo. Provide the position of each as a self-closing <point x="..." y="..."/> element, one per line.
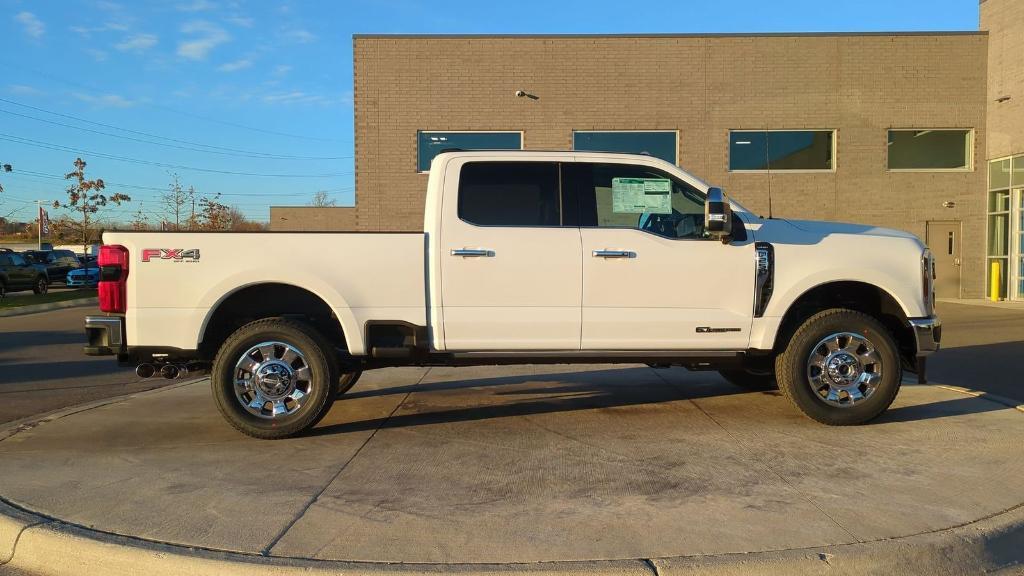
<point x="510" y="194"/>
<point x="658" y="144"/>
<point x="781" y="150"/>
<point x="433" y="143"/>
<point x="929" y="149"/>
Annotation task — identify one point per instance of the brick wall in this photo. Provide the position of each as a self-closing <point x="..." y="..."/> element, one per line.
<point x="305" y="218"/>
<point x="1004" y="21"/>
<point x="702" y="86"/>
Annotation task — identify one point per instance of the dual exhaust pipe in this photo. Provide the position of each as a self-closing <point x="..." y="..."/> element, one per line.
<point x="168" y="371"/>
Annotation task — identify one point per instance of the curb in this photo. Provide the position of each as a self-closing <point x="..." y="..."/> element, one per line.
<point x="44" y="546"/>
<point x="33" y="308"/>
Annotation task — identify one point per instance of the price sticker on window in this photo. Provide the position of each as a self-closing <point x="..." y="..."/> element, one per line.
<point x="641" y="195"/>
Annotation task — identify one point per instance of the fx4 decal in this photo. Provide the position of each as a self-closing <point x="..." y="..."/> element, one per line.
<point x="175" y="254"/>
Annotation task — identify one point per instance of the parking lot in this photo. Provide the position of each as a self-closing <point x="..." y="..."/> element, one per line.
<point x="565" y="468"/>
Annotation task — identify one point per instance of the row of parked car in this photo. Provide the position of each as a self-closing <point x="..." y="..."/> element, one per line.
<point x="35" y="270"/>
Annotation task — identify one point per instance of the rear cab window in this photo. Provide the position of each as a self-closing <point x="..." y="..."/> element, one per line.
<point x="510" y="194"/>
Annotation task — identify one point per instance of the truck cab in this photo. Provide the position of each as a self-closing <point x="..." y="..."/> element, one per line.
<point x="524" y="257"/>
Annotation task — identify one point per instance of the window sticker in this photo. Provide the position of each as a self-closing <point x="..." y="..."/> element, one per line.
<point x="641" y="195"/>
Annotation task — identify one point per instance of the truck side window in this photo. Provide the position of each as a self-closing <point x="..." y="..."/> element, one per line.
<point x="510" y="194"/>
<point x="625" y="196"/>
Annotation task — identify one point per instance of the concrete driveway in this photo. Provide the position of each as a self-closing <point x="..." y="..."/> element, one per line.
<point x="540" y="469"/>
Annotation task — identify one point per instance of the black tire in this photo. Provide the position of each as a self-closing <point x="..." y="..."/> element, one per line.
<point x="347" y="381"/>
<point x="323" y="383"/>
<point x="751" y="378"/>
<point x="3" y="289"/>
<point x="41" y="286"/>
<point x="791" y="367"/>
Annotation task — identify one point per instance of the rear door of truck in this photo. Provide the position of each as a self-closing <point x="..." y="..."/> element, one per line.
<point x="510" y="255"/>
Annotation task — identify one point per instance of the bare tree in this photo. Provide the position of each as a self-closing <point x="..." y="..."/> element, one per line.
<point x="175" y="201"/>
<point x="5" y="168"/>
<point x="322" y="200"/>
<point x="140" y="221"/>
<point x="213" y="214"/>
<point x="86" y="197"/>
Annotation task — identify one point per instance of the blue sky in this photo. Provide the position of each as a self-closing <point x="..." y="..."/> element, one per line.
<point x="253" y="99"/>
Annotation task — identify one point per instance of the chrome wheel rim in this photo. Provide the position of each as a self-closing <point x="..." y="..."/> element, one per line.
<point x="272" y="380"/>
<point x="844" y="369"/>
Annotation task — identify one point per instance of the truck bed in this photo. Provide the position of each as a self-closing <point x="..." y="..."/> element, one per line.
<point x="170" y="296"/>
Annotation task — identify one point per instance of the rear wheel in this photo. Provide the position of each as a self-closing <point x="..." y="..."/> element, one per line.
<point x="841" y="367"/>
<point x="3" y="289"/>
<point x="275" y="378"/>
<point x="41" y="286"/>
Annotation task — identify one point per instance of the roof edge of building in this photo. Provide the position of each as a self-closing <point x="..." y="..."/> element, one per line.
<point x="679" y="35"/>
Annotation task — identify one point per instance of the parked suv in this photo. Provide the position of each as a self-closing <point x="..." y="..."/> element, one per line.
<point x="58" y="262"/>
<point x="16" y="273"/>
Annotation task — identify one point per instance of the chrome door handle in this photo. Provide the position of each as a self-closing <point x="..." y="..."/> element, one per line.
<point x="614" y="254"/>
<point x="478" y="252"/>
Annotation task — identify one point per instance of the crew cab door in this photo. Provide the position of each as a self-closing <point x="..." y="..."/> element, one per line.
<point x="511" y="273"/>
<point x="652" y="280"/>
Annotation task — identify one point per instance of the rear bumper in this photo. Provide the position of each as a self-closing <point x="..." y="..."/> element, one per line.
<point x="928" y="333"/>
<point x="105" y="335"/>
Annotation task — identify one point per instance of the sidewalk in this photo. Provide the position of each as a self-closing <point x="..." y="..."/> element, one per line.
<point x="1003" y="304"/>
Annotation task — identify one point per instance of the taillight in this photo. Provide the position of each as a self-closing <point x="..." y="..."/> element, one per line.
<point x="113" y="286"/>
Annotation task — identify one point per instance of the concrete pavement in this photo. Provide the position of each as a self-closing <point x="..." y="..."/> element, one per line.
<point x="42" y="367"/>
<point x="533" y="464"/>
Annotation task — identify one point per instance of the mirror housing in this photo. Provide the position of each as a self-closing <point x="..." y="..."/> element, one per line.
<point x="718" y="215"/>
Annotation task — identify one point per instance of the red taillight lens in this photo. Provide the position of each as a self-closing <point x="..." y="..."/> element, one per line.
<point x="113" y="286"/>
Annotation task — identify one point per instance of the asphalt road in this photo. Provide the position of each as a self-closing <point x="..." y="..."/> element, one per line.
<point x="42" y="367"/>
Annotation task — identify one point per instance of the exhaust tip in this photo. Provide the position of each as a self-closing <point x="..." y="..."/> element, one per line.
<point x="169" y="371"/>
<point x="145" y="370"/>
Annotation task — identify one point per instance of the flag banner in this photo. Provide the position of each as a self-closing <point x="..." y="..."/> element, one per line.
<point x="44" y="222"/>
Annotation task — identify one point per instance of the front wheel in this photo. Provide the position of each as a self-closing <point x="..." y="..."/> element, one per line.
<point x="275" y="378"/>
<point x="841" y="367"/>
<point x="41" y="286"/>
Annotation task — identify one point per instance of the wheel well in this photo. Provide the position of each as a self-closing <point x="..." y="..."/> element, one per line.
<point x="859" y="296"/>
<point x="267" y="301"/>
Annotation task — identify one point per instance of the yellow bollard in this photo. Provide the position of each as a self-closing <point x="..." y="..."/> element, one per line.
<point x="995" y="285"/>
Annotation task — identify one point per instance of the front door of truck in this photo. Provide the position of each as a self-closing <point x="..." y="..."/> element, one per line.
<point x="652" y="280"/>
<point x="511" y="274"/>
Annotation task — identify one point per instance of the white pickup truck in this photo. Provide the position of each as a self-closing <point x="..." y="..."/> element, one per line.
<point x="527" y="257"/>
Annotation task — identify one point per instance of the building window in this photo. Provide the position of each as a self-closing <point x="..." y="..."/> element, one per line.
<point x="660" y="143"/>
<point x="930" y="149"/>
<point x="763" y="150"/>
<point x="433" y="143"/>
<point x="1005" y="250"/>
<point x="510" y="194"/>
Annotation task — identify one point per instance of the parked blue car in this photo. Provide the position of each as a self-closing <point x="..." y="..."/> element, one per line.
<point x="87" y="277"/>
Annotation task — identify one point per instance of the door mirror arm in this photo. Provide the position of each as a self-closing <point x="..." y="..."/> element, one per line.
<point x="718" y="215"/>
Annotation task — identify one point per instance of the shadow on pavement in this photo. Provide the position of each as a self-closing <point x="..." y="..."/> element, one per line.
<point x="992" y="368"/>
<point x="583" y="391"/>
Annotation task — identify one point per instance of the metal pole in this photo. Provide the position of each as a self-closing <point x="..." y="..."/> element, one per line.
<point x="39" y="224"/>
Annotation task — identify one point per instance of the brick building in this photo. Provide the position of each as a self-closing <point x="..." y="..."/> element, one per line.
<point x="887" y="129"/>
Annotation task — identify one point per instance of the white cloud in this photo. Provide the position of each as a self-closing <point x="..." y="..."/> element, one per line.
<point x="235" y="66"/>
<point x="241" y="21"/>
<point x="196" y="6"/>
<point x="281" y="70"/>
<point x="206" y="37"/>
<point x="300" y="97"/>
<point x="137" y="43"/>
<point x="299" y="35"/>
<point x="33" y="26"/>
<point x="23" y="90"/>
<point x="105" y="100"/>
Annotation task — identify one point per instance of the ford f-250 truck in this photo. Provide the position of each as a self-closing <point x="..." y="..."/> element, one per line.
<point x="527" y="257"/>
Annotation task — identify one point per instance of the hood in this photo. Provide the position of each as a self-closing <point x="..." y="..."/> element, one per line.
<point x="819" y="227"/>
<point x="813" y="231"/>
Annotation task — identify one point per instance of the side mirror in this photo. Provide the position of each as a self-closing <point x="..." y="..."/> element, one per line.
<point x="718" y="215"/>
